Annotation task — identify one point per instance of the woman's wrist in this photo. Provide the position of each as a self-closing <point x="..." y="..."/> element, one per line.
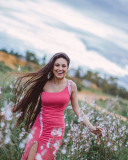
<point x="92" y="128"/>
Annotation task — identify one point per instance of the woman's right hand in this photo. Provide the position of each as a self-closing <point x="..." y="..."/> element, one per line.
<point x="97" y="131"/>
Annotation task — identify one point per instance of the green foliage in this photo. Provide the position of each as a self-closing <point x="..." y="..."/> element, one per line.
<point x="30" y="57"/>
<point x="28" y="67"/>
<point x="79" y="86"/>
<point x="4" y="50"/>
<point x="44" y="60"/>
<point x="116" y="105"/>
<point x="78" y="71"/>
<point x="99" y="148"/>
<point x="16" y="54"/>
<point x="4" y="68"/>
<point x="108" y="85"/>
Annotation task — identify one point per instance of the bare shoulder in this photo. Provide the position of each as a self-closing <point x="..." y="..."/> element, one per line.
<point x="73" y="86"/>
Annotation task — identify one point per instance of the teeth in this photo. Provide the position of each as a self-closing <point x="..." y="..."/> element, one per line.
<point x="59" y="72"/>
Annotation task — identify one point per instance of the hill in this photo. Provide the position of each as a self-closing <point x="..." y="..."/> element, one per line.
<point x="13" y="62"/>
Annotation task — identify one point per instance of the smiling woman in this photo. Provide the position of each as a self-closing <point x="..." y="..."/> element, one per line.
<point x="43" y="104"/>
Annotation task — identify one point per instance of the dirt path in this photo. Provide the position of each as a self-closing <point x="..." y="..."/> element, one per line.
<point x="89" y="98"/>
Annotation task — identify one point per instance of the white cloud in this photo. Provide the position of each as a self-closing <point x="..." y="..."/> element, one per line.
<point x="126" y="67"/>
<point x="28" y="22"/>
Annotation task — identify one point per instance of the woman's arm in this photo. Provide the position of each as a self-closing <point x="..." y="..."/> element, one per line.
<point x="77" y="111"/>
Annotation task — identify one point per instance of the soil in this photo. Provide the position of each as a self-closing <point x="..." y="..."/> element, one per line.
<point x="12" y="62"/>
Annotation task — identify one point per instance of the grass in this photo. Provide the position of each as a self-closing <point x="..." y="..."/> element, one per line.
<point x="119" y="107"/>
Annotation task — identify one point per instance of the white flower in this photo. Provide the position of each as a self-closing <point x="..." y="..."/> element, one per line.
<point x="2" y="124"/>
<point x="65" y="140"/>
<point x="63" y="151"/>
<point x="19" y="68"/>
<point x="81" y="115"/>
<point x="7" y="139"/>
<point x="65" y="115"/>
<point x="69" y="107"/>
<point x="54" y="132"/>
<point x="38" y="157"/>
<point x="41" y="147"/>
<point x="21" y="145"/>
<point x="114" y="123"/>
<point x="11" y="86"/>
<point x="30" y="136"/>
<point x="0" y="90"/>
<point x="25" y="140"/>
<point x="97" y="143"/>
<point x="56" y="145"/>
<point x="8" y="113"/>
<point x="72" y="149"/>
<point x="115" y="148"/>
<point x="6" y="130"/>
<point x="54" y="152"/>
<point x="69" y="133"/>
<point x="66" y="123"/>
<point x="21" y="135"/>
<point x="59" y="132"/>
<point x="19" y="114"/>
<point x="43" y="152"/>
<point x="33" y="130"/>
<point x="109" y="144"/>
<point x="2" y="111"/>
<point x="123" y="128"/>
<point x="72" y="129"/>
<point x="93" y="103"/>
<point x="48" y="143"/>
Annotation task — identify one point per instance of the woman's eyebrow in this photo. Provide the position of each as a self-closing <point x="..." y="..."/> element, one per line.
<point x="58" y="63"/>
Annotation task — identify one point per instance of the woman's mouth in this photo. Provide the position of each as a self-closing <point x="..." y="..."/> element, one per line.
<point x="59" y="73"/>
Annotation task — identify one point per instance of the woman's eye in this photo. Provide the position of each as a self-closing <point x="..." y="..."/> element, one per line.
<point x="62" y="65"/>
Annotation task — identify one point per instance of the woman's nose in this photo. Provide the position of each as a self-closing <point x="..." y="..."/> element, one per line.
<point x="60" y="67"/>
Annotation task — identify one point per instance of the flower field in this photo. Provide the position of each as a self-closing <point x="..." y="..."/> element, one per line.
<point x="78" y="142"/>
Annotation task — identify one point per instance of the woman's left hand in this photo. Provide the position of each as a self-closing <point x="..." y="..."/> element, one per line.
<point x="97" y="131"/>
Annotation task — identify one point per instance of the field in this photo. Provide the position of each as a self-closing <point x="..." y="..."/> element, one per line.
<point x="78" y="142"/>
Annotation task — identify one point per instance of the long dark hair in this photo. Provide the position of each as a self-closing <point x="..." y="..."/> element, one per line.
<point x="28" y="89"/>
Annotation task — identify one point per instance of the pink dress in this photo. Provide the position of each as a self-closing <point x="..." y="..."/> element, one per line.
<point x="49" y="126"/>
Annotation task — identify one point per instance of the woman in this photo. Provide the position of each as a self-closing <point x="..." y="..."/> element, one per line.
<point x="43" y="106"/>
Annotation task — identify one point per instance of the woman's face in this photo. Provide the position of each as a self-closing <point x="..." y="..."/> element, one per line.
<point x="60" y="68"/>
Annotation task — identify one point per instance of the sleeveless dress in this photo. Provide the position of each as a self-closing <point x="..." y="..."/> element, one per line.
<point x="49" y="126"/>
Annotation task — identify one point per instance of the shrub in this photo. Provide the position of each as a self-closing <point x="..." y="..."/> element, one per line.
<point x="4" y="68"/>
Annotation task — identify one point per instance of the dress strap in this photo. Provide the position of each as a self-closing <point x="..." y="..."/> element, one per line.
<point x="69" y="86"/>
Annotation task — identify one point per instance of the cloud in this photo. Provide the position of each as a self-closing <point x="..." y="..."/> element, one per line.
<point x="52" y="27"/>
<point x="112" y="12"/>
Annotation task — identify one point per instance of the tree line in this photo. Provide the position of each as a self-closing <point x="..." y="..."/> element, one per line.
<point x="107" y="84"/>
<point x="29" y="57"/>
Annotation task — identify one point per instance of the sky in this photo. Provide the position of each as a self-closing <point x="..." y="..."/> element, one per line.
<point x="94" y="33"/>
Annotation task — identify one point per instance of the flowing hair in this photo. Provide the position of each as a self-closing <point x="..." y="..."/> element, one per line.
<point x="27" y="91"/>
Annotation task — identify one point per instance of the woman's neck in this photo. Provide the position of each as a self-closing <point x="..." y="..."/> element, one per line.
<point x="58" y="80"/>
